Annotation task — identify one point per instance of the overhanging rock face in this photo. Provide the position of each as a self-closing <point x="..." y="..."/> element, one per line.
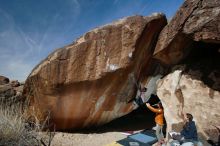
<point x="89" y="82"/>
<point x="196" y="20"/>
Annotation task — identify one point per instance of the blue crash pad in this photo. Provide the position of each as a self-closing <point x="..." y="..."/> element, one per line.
<point x="142" y="137"/>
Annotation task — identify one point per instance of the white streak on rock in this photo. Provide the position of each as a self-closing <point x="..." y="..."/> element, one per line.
<point x="130" y="55"/>
<point x="113" y="67"/>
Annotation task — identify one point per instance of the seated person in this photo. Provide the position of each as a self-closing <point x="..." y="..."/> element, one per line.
<point x="189" y="129"/>
<point x="189" y="132"/>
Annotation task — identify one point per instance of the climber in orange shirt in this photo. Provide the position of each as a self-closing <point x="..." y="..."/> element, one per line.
<point x="159" y="119"/>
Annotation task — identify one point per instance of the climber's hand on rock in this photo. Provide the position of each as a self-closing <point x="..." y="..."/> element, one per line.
<point x="147" y="104"/>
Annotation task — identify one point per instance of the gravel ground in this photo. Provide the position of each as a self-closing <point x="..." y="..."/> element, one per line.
<point x="135" y="121"/>
<point x="100" y="139"/>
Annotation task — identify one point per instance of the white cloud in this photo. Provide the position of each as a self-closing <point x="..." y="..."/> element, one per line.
<point x="20" y="51"/>
<point x="31" y="44"/>
<point x="115" y="1"/>
<point x="15" y="48"/>
<point x="76" y="8"/>
<point x="76" y="3"/>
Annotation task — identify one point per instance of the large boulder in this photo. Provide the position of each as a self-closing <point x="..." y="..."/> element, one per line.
<point x="196" y="20"/>
<point x="183" y="91"/>
<point x="89" y="82"/>
<point x="192" y="38"/>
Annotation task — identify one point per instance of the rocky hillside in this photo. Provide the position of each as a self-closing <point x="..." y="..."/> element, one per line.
<point x="92" y="81"/>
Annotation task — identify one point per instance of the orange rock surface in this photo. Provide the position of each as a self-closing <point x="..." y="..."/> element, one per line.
<point x="89" y="82"/>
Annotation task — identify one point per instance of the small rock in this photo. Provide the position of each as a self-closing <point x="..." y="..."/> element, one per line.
<point x="3" y="80"/>
<point x="7" y="91"/>
<point x="15" y="83"/>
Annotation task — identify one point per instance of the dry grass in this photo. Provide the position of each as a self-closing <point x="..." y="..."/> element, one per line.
<point x="15" y="131"/>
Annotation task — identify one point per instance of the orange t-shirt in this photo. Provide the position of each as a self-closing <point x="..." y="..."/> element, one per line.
<point x="159" y="115"/>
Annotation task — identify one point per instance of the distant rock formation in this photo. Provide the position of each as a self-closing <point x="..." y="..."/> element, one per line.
<point x="90" y="82"/>
<point x="15" y="83"/>
<point x="4" y="80"/>
<point x="10" y="90"/>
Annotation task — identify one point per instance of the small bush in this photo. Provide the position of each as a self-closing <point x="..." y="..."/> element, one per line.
<point x="15" y="131"/>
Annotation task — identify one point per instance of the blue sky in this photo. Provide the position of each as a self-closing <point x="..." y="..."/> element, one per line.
<point x="31" y="29"/>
